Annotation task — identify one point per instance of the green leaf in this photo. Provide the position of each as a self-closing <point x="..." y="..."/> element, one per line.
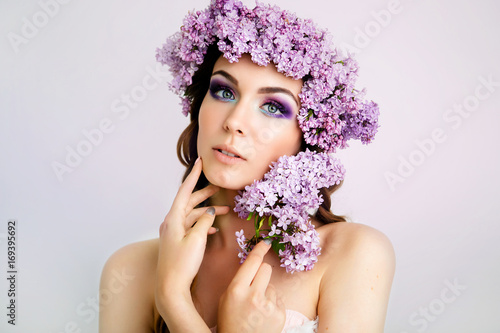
<point x="270" y="222"/>
<point x="277" y="246"/>
<point x="249" y="216"/>
<point x="261" y="222"/>
<point x="309" y="114"/>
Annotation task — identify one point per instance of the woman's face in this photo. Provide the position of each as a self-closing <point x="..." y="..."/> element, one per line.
<point x="247" y="120"/>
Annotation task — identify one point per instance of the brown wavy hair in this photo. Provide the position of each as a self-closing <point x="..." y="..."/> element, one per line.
<point x="187" y="148"/>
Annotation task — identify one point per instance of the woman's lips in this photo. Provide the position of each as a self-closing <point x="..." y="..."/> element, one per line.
<point x="227" y="155"/>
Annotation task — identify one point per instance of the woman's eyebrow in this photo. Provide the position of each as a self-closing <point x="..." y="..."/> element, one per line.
<point x="264" y="90"/>
<point x="273" y="90"/>
<point x="228" y="76"/>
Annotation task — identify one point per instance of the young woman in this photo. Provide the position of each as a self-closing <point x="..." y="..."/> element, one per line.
<point x="247" y="111"/>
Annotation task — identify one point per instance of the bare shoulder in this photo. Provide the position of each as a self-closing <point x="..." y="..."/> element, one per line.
<point x="136" y="256"/>
<point x="347" y="239"/>
<point x="126" y="292"/>
<point x="358" y="267"/>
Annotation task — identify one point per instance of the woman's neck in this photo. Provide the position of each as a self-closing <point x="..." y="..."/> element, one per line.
<point x="229" y="223"/>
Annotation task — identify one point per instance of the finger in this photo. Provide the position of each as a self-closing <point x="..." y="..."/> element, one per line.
<point x="212" y="230"/>
<point x="271" y="297"/>
<point x="271" y="293"/>
<point x="280" y="303"/>
<point x="198" y="212"/>
<point x="249" y="268"/>
<point x="187" y="215"/>
<point x="204" y="222"/>
<point x="262" y="278"/>
<point x="188" y="185"/>
<point x="199" y="196"/>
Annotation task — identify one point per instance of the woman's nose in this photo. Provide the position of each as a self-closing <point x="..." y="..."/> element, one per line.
<point x="237" y="120"/>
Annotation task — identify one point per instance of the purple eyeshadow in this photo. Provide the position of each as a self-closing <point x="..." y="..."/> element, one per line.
<point x="216" y="85"/>
<point x="284" y="107"/>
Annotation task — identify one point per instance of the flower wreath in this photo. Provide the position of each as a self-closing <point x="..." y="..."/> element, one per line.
<point x="332" y="112"/>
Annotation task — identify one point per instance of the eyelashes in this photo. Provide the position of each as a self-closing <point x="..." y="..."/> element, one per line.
<point x="271" y="107"/>
<point x="275" y="109"/>
<point x="221" y="92"/>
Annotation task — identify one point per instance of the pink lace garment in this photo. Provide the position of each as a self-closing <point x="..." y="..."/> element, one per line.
<point x="295" y="322"/>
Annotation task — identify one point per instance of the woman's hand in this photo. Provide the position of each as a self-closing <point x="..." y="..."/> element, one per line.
<point x="183" y="238"/>
<point x="250" y="303"/>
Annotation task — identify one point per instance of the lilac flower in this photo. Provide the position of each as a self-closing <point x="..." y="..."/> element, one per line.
<point x="332" y="109"/>
<point x="242" y="241"/>
<point x="285" y="219"/>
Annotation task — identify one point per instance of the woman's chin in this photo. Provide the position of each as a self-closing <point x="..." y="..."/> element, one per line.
<point x="227" y="181"/>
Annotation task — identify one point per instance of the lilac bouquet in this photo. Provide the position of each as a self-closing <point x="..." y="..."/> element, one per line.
<point x="281" y="203"/>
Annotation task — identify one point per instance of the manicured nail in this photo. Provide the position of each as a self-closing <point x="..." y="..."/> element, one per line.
<point x="197" y="160"/>
<point x="211" y="211"/>
<point x="268" y="241"/>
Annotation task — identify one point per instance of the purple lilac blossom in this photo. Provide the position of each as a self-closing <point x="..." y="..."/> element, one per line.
<point x="280" y="204"/>
<point x="332" y="110"/>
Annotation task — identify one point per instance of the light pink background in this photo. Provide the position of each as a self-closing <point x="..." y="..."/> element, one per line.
<point x="418" y="62"/>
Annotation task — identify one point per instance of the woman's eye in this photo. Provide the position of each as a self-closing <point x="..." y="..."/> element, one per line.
<point x="221" y="91"/>
<point x="273" y="109"/>
<point x="224" y="93"/>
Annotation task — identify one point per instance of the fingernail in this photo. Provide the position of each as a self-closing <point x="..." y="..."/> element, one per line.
<point x="197" y="160"/>
<point x="268" y="241"/>
<point x="217" y="229"/>
<point x="211" y="211"/>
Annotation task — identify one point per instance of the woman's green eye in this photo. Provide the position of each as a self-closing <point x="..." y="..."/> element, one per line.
<point x="220" y="91"/>
<point x="276" y="109"/>
<point x="226" y="94"/>
<point x="272" y="108"/>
